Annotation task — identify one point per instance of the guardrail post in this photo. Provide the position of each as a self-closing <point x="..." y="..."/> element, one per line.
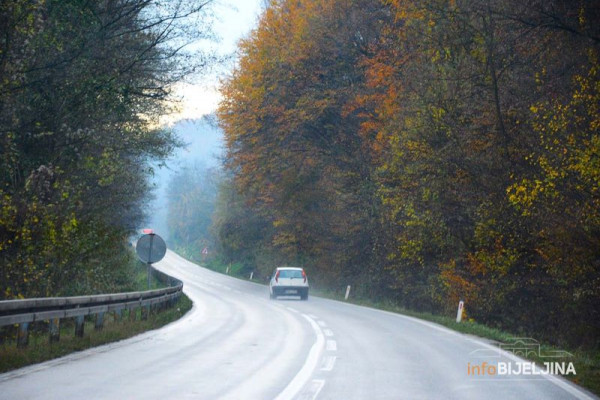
<point x="132" y="314"/>
<point x="23" y="335"/>
<point x="79" y="325"/>
<point x="145" y="312"/>
<point x="148" y="271"/>
<point x="99" y="321"/>
<point x="54" y="329"/>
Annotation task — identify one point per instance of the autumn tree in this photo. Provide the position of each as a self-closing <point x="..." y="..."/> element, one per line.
<point x="293" y="142"/>
<point x="427" y="151"/>
<point x="460" y="123"/>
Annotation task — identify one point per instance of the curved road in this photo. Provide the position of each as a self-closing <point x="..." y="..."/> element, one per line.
<point x="238" y="344"/>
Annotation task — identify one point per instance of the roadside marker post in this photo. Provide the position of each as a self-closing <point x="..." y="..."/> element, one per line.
<point x="347" y="292"/>
<point x="459" y="313"/>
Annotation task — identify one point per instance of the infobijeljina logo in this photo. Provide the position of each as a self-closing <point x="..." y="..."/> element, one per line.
<point x="507" y="360"/>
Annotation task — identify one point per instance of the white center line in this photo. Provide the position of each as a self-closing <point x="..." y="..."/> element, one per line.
<point x="328" y="363"/>
<point x="331" y="345"/>
<point x="312" y="391"/>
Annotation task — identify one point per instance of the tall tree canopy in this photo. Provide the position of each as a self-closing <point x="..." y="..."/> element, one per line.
<point x="294" y="143"/>
<point x="426" y="151"/>
<point x="192" y="196"/>
<point x="82" y="87"/>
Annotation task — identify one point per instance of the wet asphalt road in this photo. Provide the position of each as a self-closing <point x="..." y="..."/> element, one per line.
<point x="237" y="344"/>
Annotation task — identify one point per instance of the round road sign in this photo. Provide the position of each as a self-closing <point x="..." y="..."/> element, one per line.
<point x="151" y="248"/>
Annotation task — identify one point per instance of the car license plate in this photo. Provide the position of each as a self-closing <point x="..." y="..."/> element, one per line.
<point x="291" y="291"/>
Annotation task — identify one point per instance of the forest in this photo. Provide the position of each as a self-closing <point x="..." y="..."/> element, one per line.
<point x="192" y="198"/>
<point x="423" y="151"/>
<point x="83" y="85"/>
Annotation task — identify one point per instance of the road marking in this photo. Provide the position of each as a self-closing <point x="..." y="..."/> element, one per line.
<point x="328" y="363"/>
<point x="302" y="377"/>
<point x="312" y="391"/>
<point x="293" y="310"/>
<point x="331" y="345"/>
<point x="328" y="332"/>
<point x="322" y="323"/>
<point x="317" y="386"/>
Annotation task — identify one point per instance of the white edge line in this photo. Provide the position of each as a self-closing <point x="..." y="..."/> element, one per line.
<point x="302" y="377"/>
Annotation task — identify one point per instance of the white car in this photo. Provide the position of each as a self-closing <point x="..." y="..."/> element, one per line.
<point x="288" y="281"/>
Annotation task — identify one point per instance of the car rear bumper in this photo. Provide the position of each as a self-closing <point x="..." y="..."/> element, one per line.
<point x="290" y="290"/>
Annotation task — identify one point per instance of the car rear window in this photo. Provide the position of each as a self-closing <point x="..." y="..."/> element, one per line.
<point x="290" y="273"/>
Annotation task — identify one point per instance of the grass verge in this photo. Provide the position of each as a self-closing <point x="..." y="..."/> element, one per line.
<point x="231" y="269"/>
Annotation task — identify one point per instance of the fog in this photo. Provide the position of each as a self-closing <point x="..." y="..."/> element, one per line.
<point x="204" y="145"/>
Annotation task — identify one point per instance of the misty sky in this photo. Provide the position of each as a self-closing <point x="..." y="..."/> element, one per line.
<point x="234" y="20"/>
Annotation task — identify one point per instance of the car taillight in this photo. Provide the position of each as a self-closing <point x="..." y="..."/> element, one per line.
<point x="277" y="277"/>
<point x="304" y="275"/>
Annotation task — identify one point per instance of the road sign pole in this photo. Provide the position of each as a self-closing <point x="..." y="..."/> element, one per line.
<point x="149" y="258"/>
<point x="150" y="249"/>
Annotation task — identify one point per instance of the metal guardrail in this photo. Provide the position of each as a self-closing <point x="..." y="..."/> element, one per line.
<point x="53" y="309"/>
